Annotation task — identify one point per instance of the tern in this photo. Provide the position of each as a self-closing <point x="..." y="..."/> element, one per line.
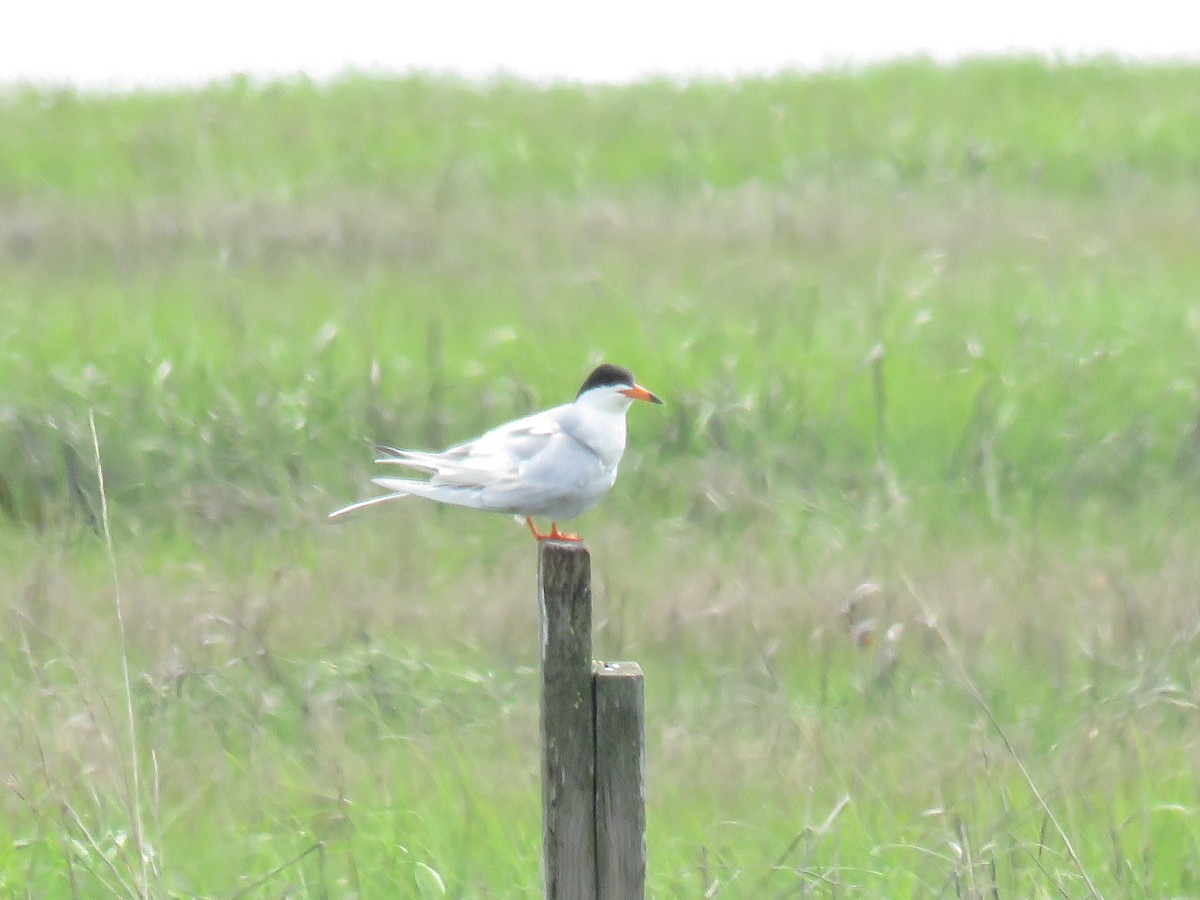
<point x="555" y="464"/>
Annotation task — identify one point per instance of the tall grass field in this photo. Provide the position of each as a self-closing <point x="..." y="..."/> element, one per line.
<point x="908" y="558"/>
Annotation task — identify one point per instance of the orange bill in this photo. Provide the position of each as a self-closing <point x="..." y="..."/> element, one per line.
<point x="637" y="392"/>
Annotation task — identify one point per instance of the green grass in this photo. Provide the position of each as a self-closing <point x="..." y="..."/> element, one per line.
<point x="929" y="328"/>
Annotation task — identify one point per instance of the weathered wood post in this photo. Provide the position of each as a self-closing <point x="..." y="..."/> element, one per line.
<point x="567" y="722"/>
<point x="620" y="781"/>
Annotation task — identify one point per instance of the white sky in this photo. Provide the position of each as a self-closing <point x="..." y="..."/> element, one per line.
<point x="125" y="43"/>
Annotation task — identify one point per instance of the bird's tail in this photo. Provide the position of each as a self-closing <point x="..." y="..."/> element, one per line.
<point x="363" y="504"/>
<point x="416" y="459"/>
<point x="455" y="495"/>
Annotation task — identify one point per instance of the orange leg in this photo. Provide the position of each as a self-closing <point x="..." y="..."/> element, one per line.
<point x="554" y="535"/>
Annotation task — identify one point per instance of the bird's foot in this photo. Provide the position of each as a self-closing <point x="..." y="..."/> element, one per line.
<point x="553" y="535"/>
<point x="556" y="535"/>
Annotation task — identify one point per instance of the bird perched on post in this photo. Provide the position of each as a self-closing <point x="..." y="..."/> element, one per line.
<point x="555" y="464"/>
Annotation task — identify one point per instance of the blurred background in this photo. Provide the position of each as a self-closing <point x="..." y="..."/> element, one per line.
<point x="907" y="558"/>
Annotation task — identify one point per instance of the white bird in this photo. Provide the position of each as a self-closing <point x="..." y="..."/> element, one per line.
<point x="554" y="464"/>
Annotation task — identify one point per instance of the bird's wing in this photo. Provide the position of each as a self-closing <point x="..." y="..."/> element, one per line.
<point x="518" y="439"/>
<point x="494" y="457"/>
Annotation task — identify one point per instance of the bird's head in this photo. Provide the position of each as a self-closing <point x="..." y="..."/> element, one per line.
<point x="612" y="387"/>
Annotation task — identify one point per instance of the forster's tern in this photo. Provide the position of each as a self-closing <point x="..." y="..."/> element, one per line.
<point x="555" y="464"/>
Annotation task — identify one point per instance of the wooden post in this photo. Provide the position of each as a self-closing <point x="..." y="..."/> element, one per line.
<point x="620" y="781"/>
<point x="567" y="722"/>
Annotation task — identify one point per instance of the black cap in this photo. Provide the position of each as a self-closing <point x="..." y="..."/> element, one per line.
<point x="607" y="375"/>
